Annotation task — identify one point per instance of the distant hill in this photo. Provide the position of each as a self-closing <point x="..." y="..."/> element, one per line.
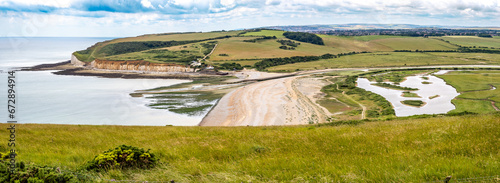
<point x="331" y="27"/>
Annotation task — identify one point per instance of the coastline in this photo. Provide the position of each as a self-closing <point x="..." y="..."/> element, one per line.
<point x="66" y="68"/>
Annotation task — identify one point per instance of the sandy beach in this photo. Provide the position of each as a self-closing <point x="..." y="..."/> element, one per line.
<point x="284" y="101"/>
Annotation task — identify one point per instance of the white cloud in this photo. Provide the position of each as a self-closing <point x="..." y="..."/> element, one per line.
<point x="53" y="3"/>
<point x="189" y="15"/>
<point x="146" y="4"/>
<point x="227" y="2"/>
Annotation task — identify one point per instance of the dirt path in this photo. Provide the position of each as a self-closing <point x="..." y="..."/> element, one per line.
<point x="273" y="102"/>
<point x="494" y="106"/>
<point x="213" y="49"/>
<point x="363" y="113"/>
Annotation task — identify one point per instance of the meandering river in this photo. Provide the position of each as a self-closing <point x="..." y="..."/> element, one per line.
<point x="437" y="87"/>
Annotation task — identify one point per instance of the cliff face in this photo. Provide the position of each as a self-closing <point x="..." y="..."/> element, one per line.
<point x="132" y="65"/>
<point x="138" y="66"/>
<point x="76" y="62"/>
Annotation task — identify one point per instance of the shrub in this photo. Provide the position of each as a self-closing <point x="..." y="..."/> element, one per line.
<point x="230" y="66"/>
<point x="32" y="173"/>
<point x="123" y="156"/>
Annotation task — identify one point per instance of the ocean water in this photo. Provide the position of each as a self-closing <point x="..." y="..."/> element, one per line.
<point x="43" y="97"/>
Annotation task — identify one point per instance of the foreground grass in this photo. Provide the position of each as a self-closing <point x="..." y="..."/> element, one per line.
<point x="412" y="150"/>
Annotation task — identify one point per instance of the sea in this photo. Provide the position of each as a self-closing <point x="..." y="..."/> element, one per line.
<point x="45" y="98"/>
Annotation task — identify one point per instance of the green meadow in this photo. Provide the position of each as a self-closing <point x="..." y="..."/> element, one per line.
<point x="473" y="41"/>
<point x="277" y="33"/>
<point x="393" y="59"/>
<point x="478" y="89"/>
<point x="403" y="150"/>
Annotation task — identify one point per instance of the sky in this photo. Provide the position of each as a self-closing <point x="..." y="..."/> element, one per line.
<point x="122" y="18"/>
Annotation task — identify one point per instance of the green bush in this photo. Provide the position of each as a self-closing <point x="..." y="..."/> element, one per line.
<point x="32" y="173"/>
<point x="230" y="66"/>
<point x="123" y="156"/>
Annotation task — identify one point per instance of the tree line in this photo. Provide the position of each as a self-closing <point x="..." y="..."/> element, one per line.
<point x="304" y="37"/>
<point x="260" y="38"/>
<point x="289" y="60"/>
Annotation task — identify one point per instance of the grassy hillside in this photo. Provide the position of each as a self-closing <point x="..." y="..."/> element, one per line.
<point x="410" y="150"/>
<point x="415" y="43"/>
<point x="277" y="33"/>
<point x="134" y="44"/>
<point x="248" y="47"/>
<point x="349" y="44"/>
<point x="237" y="49"/>
<point x="473" y="41"/>
<point x="181" y="54"/>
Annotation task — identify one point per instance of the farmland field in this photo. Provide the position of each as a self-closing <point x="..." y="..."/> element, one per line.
<point x="393" y="59"/>
<point x="349" y="44"/>
<point x="473" y="41"/>
<point x="411" y="43"/>
<point x="237" y="49"/>
<point x="277" y="33"/>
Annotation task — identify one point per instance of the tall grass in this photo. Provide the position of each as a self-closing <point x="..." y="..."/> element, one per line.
<point x="410" y="150"/>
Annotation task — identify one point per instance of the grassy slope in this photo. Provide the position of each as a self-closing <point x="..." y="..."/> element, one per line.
<point x="384" y="43"/>
<point x="194" y="49"/>
<point x="374" y="37"/>
<point x="277" y="33"/>
<point x="393" y="59"/>
<point x="473" y="41"/>
<point x="468" y="83"/>
<point x="415" y="43"/>
<point x="249" y="53"/>
<point x="177" y="36"/>
<point x="350" y="44"/>
<point x="237" y="49"/>
<point x="163" y="37"/>
<point x="414" y="150"/>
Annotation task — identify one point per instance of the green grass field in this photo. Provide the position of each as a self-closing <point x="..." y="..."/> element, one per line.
<point x="277" y="33"/>
<point x="415" y="43"/>
<point x="384" y="43"/>
<point x="393" y="59"/>
<point x="473" y="41"/>
<point x="166" y="55"/>
<point x="237" y="49"/>
<point x="177" y="36"/>
<point x="374" y="37"/>
<point x="350" y="44"/>
<point x="476" y="90"/>
<point x="412" y="150"/>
